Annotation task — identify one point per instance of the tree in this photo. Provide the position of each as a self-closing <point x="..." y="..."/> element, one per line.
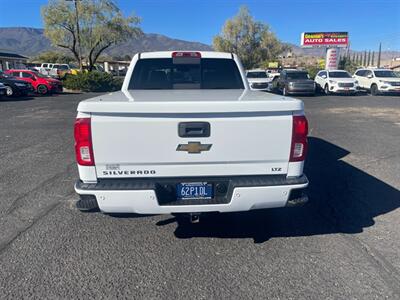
<point x="251" y="40"/>
<point x="373" y="58"/>
<point x="313" y="70"/>
<point x="54" y="57"/>
<point x="101" y="24"/>
<point x="346" y="64"/>
<point x="127" y="57"/>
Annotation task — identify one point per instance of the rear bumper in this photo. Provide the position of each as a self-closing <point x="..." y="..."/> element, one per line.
<point x="157" y="196"/>
<point x="391" y="89"/>
<point x="259" y="86"/>
<point x="344" y="90"/>
<point x="259" y="89"/>
<point x="300" y="90"/>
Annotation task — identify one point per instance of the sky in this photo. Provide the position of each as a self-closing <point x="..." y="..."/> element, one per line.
<point x="367" y="21"/>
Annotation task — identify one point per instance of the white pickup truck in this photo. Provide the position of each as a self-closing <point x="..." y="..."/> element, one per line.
<point x="187" y="135"/>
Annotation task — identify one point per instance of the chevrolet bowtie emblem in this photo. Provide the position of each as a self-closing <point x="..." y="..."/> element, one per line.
<point x="194" y="147"/>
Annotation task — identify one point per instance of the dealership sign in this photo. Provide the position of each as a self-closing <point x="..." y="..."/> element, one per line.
<point x="332" y="59"/>
<point x="324" y="39"/>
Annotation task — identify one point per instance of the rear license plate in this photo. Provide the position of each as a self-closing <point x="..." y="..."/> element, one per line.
<point x="194" y="190"/>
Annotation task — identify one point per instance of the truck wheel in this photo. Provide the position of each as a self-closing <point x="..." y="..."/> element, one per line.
<point x="9" y="91"/>
<point x="42" y="89"/>
<point x="374" y="90"/>
<point x="326" y="89"/>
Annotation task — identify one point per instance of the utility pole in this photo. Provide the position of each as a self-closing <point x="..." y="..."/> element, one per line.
<point x="369" y="58"/>
<point x="78" y="32"/>
<point x="365" y="58"/>
<point x="379" y="55"/>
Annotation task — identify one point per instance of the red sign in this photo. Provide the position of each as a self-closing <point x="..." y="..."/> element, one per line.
<point x="332" y="59"/>
<point x="324" y="39"/>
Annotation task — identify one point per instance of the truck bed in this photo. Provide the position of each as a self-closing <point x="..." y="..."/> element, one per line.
<point x="189" y="101"/>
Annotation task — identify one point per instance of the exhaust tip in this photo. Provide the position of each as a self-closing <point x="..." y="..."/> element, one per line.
<point x="87" y="203"/>
<point x="297" y="197"/>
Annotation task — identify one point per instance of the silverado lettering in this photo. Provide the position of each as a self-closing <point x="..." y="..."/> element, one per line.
<point x="135" y="172"/>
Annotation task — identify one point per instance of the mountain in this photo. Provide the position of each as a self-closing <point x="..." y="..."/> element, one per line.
<point x="24" y="41"/>
<point x="31" y="41"/>
<point x="155" y="42"/>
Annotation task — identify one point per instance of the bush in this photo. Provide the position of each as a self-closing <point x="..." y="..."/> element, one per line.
<point x="312" y="71"/>
<point x="93" y="82"/>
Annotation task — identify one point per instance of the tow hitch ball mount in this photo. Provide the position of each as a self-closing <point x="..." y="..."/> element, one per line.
<point x="194" y="217"/>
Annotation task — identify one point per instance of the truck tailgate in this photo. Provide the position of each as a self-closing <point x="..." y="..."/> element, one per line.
<point x="136" y="133"/>
<point x="140" y="145"/>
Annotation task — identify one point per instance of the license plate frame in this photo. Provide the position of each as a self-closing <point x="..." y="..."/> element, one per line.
<point x="194" y="190"/>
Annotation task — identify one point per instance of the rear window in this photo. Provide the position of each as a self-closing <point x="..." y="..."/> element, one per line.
<point x="339" y="74"/>
<point x="385" y="73"/>
<point x="297" y="75"/>
<point x="257" y="75"/>
<point x="207" y="73"/>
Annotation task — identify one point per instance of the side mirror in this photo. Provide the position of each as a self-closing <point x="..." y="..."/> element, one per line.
<point x="369" y="76"/>
<point x="33" y="78"/>
<point x="323" y="76"/>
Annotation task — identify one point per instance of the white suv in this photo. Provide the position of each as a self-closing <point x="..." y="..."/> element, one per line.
<point x="378" y="81"/>
<point x="336" y="81"/>
<point x="259" y="80"/>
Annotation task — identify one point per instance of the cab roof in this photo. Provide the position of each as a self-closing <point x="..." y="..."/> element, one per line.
<point x="375" y="69"/>
<point x="326" y="70"/>
<point x="256" y="70"/>
<point x="168" y="54"/>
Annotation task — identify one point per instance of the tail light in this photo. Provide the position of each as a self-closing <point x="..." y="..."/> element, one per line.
<point x="299" y="146"/>
<point x="83" y="142"/>
<point x="186" y="54"/>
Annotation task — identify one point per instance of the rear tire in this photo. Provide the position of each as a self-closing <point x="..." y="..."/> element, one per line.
<point x="374" y="90"/>
<point x="326" y="89"/>
<point x="9" y="91"/>
<point x="42" y="89"/>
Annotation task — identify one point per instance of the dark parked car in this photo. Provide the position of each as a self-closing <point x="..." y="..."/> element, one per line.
<point x="15" y="87"/>
<point x="295" y="82"/>
<point x="3" y="90"/>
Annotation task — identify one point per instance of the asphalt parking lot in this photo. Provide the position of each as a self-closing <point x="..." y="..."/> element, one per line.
<point x="344" y="244"/>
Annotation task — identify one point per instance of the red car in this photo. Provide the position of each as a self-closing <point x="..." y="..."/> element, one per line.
<point x="42" y="84"/>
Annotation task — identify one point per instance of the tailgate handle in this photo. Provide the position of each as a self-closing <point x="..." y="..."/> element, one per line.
<point x="194" y="129"/>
